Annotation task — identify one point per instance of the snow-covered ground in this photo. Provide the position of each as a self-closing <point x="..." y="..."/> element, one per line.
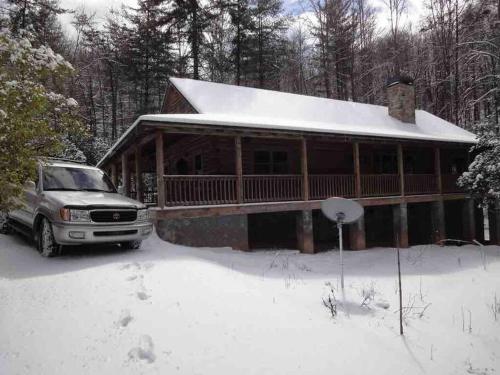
<point x="170" y="309"/>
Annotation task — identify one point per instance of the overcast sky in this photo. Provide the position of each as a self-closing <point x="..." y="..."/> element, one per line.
<point x="101" y="7"/>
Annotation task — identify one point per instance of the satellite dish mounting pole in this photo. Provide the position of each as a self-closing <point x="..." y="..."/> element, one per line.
<point x="342" y="211"/>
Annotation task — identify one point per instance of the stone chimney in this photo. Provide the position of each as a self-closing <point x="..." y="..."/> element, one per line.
<point x="401" y="98"/>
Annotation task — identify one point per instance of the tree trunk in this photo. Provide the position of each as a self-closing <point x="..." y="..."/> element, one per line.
<point x="195" y="48"/>
<point x="238" y="48"/>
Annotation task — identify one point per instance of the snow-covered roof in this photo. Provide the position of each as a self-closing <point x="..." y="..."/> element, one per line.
<point x="236" y="106"/>
<point x="229" y="105"/>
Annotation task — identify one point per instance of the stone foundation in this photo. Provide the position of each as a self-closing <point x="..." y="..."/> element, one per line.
<point x="230" y="231"/>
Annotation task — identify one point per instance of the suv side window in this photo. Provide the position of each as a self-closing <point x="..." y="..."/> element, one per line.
<point x="37" y="178"/>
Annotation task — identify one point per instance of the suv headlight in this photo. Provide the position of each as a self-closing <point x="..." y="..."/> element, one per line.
<point x="143" y="215"/>
<point x="75" y="215"/>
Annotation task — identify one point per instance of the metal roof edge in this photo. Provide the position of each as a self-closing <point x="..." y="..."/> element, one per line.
<point x="110" y="152"/>
<point x="172" y="81"/>
<point x="202" y="121"/>
<point x="160" y="119"/>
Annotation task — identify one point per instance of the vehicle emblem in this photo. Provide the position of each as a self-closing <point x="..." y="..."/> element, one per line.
<point x="116" y="216"/>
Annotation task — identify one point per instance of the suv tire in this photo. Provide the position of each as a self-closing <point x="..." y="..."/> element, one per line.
<point x="131" y="245"/>
<point x="47" y="245"/>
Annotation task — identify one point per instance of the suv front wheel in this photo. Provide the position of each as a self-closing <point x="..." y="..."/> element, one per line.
<point x="130" y="245"/>
<point x="47" y="245"/>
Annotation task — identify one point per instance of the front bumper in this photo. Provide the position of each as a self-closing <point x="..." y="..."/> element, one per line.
<point x="77" y="234"/>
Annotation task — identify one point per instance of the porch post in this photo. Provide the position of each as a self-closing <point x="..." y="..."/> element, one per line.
<point x="357" y="172"/>
<point x="160" y="169"/>
<point x="469" y="223"/>
<point x="357" y="235"/>
<point x="438" y="224"/>
<point x="437" y="169"/>
<point x="305" y="239"/>
<point x="125" y="176"/>
<point x="401" y="170"/>
<point x="114" y="175"/>
<point x="138" y="173"/>
<point x="304" y="169"/>
<point x="400" y="221"/>
<point x="239" y="169"/>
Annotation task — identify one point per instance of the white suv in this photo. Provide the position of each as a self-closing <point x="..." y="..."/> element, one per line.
<point x="72" y="204"/>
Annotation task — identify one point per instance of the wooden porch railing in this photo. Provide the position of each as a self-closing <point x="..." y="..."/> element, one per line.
<point x="272" y="188"/>
<point x="149" y="197"/>
<point x="449" y="183"/>
<point x="376" y="185"/>
<point x="416" y="184"/>
<point x="197" y="190"/>
<point x="325" y="186"/>
<point x="181" y="190"/>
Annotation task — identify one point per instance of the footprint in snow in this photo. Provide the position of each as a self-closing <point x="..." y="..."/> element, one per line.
<point x="143" y="352"/>
<point x="137" y="266"/>
<point x="143" y="295"/>
<point x="147" y="266"/>
<point x="125" y="318"/>
<point x="128" y="266"/>
<point x="382" y="304"/>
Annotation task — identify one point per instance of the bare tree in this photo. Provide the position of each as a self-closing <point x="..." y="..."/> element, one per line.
<point x="397" y="9"/>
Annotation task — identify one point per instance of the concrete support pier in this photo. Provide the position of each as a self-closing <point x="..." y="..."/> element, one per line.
<point x="357" y="236"/>
<point x="400" y="223"/>
<point x="494" y="225"/>
<point x="469" y="220"/>
<point x="305" y="237"/>
<point x="438" y="224"/>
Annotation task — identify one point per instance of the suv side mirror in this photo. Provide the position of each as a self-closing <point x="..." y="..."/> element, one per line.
<point x="29" y="185"/>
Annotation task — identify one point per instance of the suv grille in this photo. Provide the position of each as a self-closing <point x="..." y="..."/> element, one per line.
<point x="113" y="216"/>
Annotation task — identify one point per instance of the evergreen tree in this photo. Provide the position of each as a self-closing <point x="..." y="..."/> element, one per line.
<point x="147" y="53"/>
<point x="334" y="33"/>
<point x="241" y="18"/>
<point x="40" y="18"/>
<point x="482" y="179"/>
<point x="35" y="117"/>
<point x="218" y="35"/>
<point x="267" y="44"/>
<point x="192" y="20"/>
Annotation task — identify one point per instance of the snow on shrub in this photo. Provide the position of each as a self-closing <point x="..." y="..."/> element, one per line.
<point x="482" y="179"/>
<point x="35" y="114"/>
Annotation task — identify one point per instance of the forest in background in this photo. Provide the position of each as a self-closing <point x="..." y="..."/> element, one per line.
<point x="334" y="49"/>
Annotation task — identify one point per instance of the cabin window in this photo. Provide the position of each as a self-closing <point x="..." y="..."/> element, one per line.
<point x="270" y="162"/>
<point x="458" y="166"/>
<point x="386" y="163"/>
<point x="182" y="167"/>
<point x="409" y="164"/>
<point x="198" y="164"/>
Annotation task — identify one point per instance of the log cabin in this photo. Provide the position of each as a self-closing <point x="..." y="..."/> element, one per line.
<point x="225" y="165"/>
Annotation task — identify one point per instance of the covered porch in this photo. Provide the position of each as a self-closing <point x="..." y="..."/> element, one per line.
<point x="167" y="168"/>
<point x="207" y="184"/>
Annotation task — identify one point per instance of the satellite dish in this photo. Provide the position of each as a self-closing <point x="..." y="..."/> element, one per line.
<point x="342" y="210"/>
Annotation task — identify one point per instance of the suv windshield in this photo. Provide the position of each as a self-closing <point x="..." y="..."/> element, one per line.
<point x="78" y="179"/>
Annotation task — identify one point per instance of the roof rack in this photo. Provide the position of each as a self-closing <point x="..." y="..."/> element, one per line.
<point x="65" y="160"/>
